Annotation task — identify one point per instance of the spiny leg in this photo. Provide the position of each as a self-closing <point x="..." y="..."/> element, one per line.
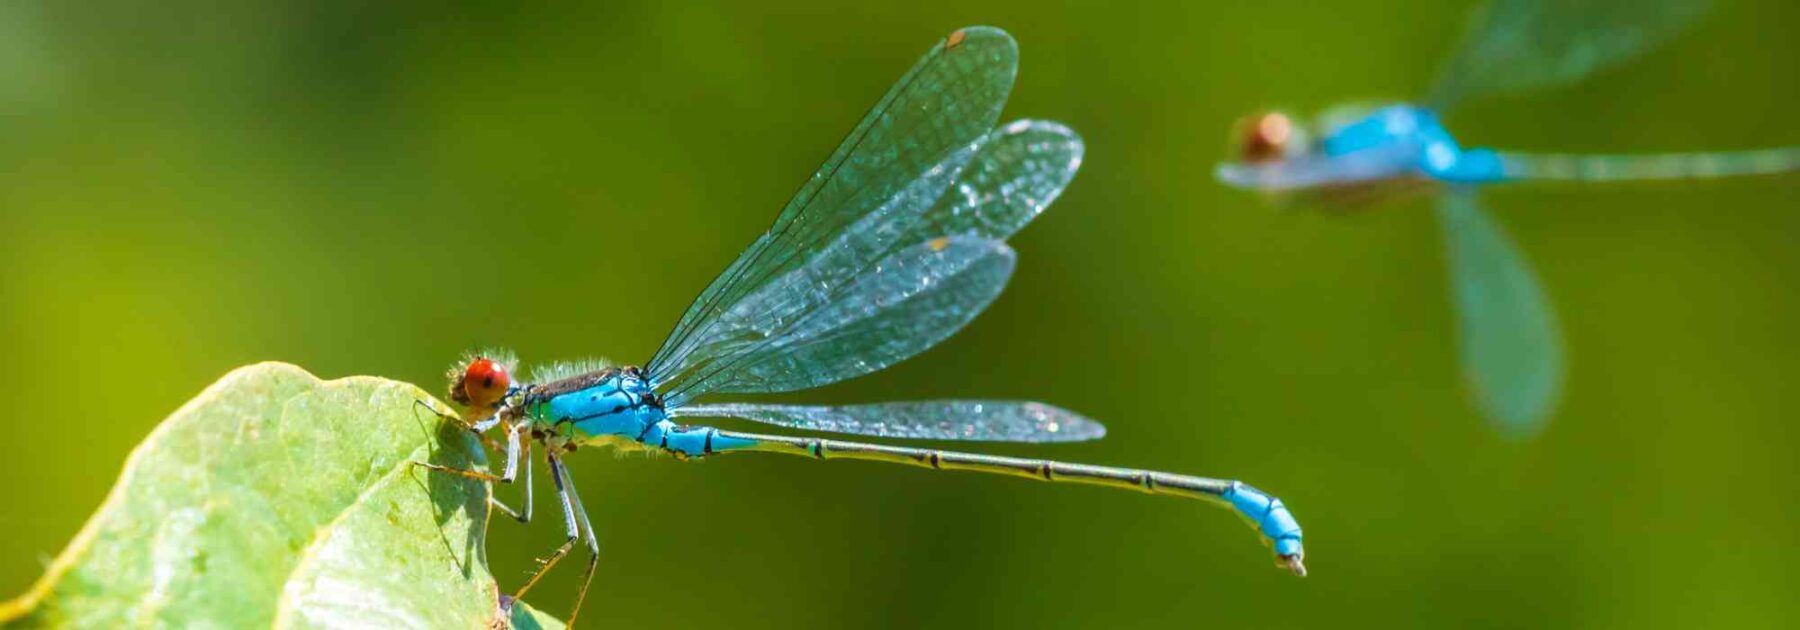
<point x="512" y="462"/>
<point x="517" y="455"/>
<point x="593" y="543"/>
<point x="478" y="428"/>
<point x="510" y="472"/>
<point x="522" y="516"/>
<point x="559" y="477"/>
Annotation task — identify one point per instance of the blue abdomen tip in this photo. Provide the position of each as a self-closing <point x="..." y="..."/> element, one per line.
<point x="1271" y="517"/>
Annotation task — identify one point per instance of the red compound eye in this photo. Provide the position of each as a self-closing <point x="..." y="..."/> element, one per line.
<point x="482" y="385"/>
<point x="1266" y="137"/>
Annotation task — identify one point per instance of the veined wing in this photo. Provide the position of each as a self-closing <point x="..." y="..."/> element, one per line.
<point x="1510" y="347"/>
<point x="1525" y="44"/>
<point x="760" y="343"/>
<point x="971" y="420"/>
<point x="986" y="190"/>
<point x="1005" y="180"/>
<point x="948" y="100"/>
<point x="1001" y="183"/>
<point x="1019" y="169"/>
<point x="801" y="332"/>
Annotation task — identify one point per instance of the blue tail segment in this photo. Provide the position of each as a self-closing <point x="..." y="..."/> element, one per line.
<point x="1271" y="517"/>
<point x="691" y="441"/>
<point x="1471" y="166"/>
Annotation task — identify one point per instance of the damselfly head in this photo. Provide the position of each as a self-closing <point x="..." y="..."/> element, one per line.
<point x="1267" y="137"/>
<point x="481" y="383"/>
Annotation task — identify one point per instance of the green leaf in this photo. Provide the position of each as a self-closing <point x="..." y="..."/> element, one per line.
<point x="275" y="499"/>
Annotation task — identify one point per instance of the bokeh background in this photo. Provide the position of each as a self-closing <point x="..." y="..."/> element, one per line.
<point x="372" y="188"/>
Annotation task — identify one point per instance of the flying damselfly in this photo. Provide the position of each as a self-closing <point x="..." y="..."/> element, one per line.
<point x="1510" y="344"/>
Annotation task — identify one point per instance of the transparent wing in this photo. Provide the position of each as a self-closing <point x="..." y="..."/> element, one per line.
<point x="1000" y="182"/>
<point x="1019" y="169"/>
<point x="1510" y="347"/>
<point x="949" y="99"/>
<point x="1525" y="44"/>
<point x="809" y="328"/>
<point x="971" y="420"/>
<point x="1005" y="180"/>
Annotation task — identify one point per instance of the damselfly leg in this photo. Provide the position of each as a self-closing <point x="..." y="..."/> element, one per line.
<point x="514" y="448"/>
<point x="478" y="428"/>
<point x="576" y="525"/>
<point x="593" y="543"/>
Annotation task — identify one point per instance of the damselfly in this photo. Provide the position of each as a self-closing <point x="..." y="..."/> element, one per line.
<point x="894" y="244"/>
<point x="1509" y="341"/>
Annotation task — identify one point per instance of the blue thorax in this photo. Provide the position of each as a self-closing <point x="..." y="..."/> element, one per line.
<point x="618" y="406"/>
<point x="1415" y="130"/>
<point x="588" y="407"/>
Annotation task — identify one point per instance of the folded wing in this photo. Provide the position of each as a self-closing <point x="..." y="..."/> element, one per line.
<point x="971" y="420"/>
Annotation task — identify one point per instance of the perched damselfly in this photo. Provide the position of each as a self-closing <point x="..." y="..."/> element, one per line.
<point x="1508" y="338"/>
<point x="892" y="246"/>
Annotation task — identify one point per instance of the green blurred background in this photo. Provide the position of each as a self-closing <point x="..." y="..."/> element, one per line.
<point x="374" y="189"/>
